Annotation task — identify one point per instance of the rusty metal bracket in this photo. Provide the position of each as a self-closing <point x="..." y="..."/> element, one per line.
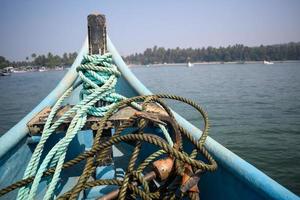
<point x="151" y="117"/>
<point x="36" y="124"/>
<point x="190" y="180"/>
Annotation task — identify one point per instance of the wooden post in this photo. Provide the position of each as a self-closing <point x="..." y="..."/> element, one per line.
<point x="97" y="38"/>
<point x="97" y="34"/>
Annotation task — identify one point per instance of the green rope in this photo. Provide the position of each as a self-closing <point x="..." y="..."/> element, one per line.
<point x="99" y="77"/>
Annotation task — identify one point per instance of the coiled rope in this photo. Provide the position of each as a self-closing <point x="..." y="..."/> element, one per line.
<point x="150" y="138"/>
<point x="139" y="137"/>
<point x="99" y="77"/>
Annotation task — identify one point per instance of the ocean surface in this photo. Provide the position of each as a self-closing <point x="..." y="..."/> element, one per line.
<point x="254" y="109"/>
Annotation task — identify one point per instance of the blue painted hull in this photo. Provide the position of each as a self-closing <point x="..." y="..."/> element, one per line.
<point x="234" y="179"/>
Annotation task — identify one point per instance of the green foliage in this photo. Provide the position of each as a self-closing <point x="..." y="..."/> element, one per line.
<point x="156" y="55"/>
<point x="238" y="52"/>
<point x="54" y="60"/>
<point x="3" y="62"/>
<point x="48" y="60"/>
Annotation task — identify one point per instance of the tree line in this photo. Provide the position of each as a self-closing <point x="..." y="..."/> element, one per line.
<point x="238" y="52"/>
<point x="155" y="55"/>
<point x="48" y="60"/>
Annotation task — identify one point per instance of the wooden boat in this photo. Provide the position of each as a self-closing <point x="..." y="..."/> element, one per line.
<point x="234" y="179"/>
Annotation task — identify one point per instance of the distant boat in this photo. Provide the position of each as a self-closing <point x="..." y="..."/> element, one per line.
<point x="6" y="71"/>
<point x="19" y="71"/>
<point x="59" y="68"/>
<point x="268" y="62"/>
<point x="189" y="64"/>
<point x="42" y="69"/>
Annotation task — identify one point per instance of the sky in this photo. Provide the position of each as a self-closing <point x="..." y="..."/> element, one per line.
<point x="58" y="26"/>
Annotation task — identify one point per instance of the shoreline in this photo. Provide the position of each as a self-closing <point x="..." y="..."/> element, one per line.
<point x="213" y="63"/>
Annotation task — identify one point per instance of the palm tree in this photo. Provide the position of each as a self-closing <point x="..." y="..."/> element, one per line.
<point x="33" y="56"/>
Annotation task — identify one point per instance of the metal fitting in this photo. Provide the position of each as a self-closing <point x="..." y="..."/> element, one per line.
<point x="163" y="168"/>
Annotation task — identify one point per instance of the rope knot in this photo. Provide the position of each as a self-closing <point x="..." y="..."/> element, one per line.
<point x="99" y="73"/>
